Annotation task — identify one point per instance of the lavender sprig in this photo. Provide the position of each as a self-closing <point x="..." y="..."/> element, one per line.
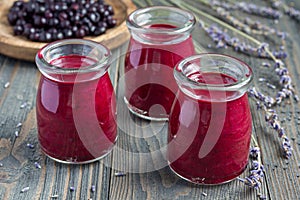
<point x="254" y="180"/>
<point x="264" y="29"/>
<point x="250" y="9"/>
<point x="223" y="40"/>
<point x="93" y="188"/>
<point x="267" y="100"/>
<point x="248" y="25"/>
<point x="288" y="10"/>
<point x="259" y="10"/>
<point x="286" y="81"/>
<point x="25" y="189"/>
<point x="293" y="13"/>
<point x="271" y="118"/>
<point x="276" y="3"/>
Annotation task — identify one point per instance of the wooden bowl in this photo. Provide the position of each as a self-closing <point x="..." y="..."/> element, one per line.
<point x="22" y="48"/>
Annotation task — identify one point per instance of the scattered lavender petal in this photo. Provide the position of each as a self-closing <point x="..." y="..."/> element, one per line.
<point x="25" y="189"/>
<point x="54" y="196"/>
<point x="118" y="174"/>
<point x="249" y="8"/>
<point x="262" y="197"/>
<point x="19" y="125"/>
<point x="93" y="188"/>
<point x="261" y="79"/>
<point x="265" y="64"/>
<point x="72" y="189"/>
<point x="7" y="84"/>
<point x="296" y="98"/>
<point x="271" y="86"/>
<point x="37" y="165"/>
<point x="23" y="105"/>
<point x="31" y="146"/>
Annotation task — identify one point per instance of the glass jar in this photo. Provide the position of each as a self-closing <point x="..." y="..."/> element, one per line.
<point x="210" y="123"/>
<point x="160" y="38"/>
<point x="75" y="105"/>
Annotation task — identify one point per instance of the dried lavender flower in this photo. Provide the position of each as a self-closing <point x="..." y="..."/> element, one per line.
<point x="254" y="152"/>
<point x="265" y="64"/>
<point x="72" y="188"/>
<point x="267" y="100"/>
<point x="293" y="13"/>
<point x="262" y="197"/>
<point x="6" y="85"/>
<point x="25" y="189"/>
<point x="118" y="174"/>
<point x="258" y="10"/>
<point x="37" y="165"/>
<point x="23" y="105"/>
<point x="31" y="146"/>
<point x="286" y="81"/>
<point x="17" y="133"/>
<point x="54" y="196"/>
<point x="249" y="8"/>
<point x="269" y="85"/>
<point x="19" y="125"/>
<point x="93" y="188"/>
<point x="223" y="40"/>
<point x="254" y="180"/>
<point x="271" y="118"/>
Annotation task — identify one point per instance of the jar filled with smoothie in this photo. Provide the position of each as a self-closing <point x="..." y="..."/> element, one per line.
<point x="210" y="121"/>
<point x="160" y="38"/>
<point x="75" y="105"/>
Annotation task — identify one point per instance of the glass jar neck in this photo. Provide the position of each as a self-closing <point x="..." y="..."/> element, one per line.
<point x="73" y="59"/>
<point x="213" y="77"/>
<point x="160" y="25"/>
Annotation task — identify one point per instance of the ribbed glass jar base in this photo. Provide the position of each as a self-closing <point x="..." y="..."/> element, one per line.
<point x="143" y="114"/>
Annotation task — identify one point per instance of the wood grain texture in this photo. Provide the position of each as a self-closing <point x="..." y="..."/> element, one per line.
<point x="138" y="136"/>
<point x="22" y="48"/>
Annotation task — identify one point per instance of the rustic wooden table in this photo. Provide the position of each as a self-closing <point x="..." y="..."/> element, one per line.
<point x="54" y="180"/>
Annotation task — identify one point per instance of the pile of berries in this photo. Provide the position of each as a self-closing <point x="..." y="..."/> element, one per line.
<point x="49" y="20"/>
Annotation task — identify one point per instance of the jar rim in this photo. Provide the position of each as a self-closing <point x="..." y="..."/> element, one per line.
<point x="98" y="64"/>
<point x="180" y="75"/>
<point x="185" y="27"/>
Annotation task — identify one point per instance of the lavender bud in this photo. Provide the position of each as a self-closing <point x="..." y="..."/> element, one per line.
<point x="7" y="84"/>
<point x="93" y="188"/>
<point x="37" y="165"/>
<point x="25" y="189"/>
<point x="31" y="146"/>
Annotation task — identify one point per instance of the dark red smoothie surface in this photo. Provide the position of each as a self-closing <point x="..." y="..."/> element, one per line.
<point x="192" y="152"/>
<point x="149" y="72"/>
<point x="76" y="121"/>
